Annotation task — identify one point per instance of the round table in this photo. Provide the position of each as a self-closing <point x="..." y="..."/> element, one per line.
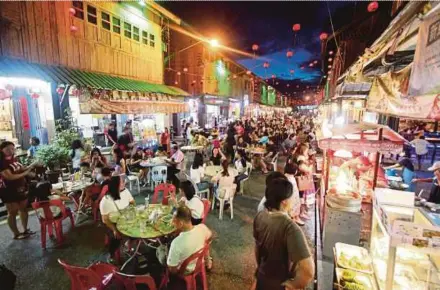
<point x="212" y="170"/>
<point x="156" y="161"/>
<point x="130" y="226"/>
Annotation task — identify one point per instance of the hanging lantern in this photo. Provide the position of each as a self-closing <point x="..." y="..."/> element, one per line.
<point x="277" y="83"/>
<point x="185" y="69"/>
<point x="329" y="66"/>
<point x="323" y="36"/>
<point x="72" y="11"/>
<point x="266" y="64"/>
<point x="288" y="85"/>
<point x="373" y="6"/>
<point x="176" y="82"/>
<point x="307" y="87"/>
<point x="179" y="73"/>
<point x="296" y="27"/>
<point x="297" y="86"/>
<point x="329" y="73"/>
<point x="35" y="96"/>
<point x="273" y="76"/>
<point x="248" y="72"/>
<point x="311" y="64"/>
<point x="315" y="62"/>
<point x="330" y="59"/>
<point x="330" y="52"/>
<point x="73" y="28"/>
<point x="255" y="47"/>
<point x="235" y="76"/>
<point x="289" y="54"/>
<point x="324" y="77"/>
<point x="302" y="67"/>
<point x="292" y="71"/>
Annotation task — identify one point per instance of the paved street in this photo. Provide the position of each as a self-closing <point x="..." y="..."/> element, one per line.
<point x="232" y="248"/>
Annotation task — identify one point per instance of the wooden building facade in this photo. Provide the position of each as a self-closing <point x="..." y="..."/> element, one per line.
<point x="117" y="38"/>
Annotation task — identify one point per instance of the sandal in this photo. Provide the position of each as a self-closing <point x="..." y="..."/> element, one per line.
<point x="28" y="232"/>
<point x="21" y="236"/>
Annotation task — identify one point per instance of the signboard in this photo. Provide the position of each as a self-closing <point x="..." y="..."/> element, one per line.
<point x="425" y="77"/>
<point x="389" y="95"/>
<point x="371" y="146"/>
<point x="25" y="121"/>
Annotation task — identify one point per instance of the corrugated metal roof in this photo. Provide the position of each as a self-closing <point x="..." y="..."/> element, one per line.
<point x="63" y="75"/>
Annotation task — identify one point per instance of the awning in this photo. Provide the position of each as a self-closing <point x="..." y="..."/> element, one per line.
<point x="67" y="76"/>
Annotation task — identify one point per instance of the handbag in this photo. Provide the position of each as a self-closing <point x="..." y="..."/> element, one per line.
<point x="305" y="182"/>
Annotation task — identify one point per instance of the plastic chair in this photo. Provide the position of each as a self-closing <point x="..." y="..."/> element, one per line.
<point x="158" y="175"/>
<point x="206" y="208"/>
<point x="167" y="189"/>
<point x="49" y="221"/>
<point x="130" y="281"/>
<point x="133" y="177"/>
<point x="86" y="278"/>
<point x="228" y="195"/>
<point x="199" y="193"/>
<point x="248" y="173"/>
<point x="274" y="162"/>
<point x="190" y="279"/>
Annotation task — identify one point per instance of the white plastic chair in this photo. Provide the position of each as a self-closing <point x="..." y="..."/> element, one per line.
<point x="228" y="194"/>
<point x="248" y="173"/>
<point x="130" y="177"/>
<point x="199" y="193"/>
<point x="158" y="175"/>
<point x="274" y="162"/>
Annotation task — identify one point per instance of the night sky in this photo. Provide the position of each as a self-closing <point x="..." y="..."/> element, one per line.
<point x="269" y="24"/>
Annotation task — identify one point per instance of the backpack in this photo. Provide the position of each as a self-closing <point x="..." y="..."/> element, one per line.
<point x="7" y="278"/>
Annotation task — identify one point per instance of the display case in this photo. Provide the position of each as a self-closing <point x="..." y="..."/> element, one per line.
<point x="404" y="246"/>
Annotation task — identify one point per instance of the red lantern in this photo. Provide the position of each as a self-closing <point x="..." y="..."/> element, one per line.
<point x="323" y="36"/>
<point x="302" y="67"/>
<point x="277" y="83"/>
<point x="315" y="62"/>
<point x="176" y="83"/>
<point x="330" y="52"/>
<point x="311" y="64"/>
<point x="179" y="73"/>
<point x="235" y="76"/>
<point x="373" y="6"/>
<point x="255" y="47"/>
<point x="289" y="54"/>
<point x="329" y="66"/>
<point x="35" y="96"/>
<point x="296" y="27"/>
<point x="248" y="72"/>
<point x="72" y="11"/>
<point x="266" y="64"/>
<point x="73" y="28"/>
<point x="330" y="59"/>
<point x="185" y="69"/>
<point x="273" y="76"/>
<point x="288" y="85"/>
<point x="292" y="71"/>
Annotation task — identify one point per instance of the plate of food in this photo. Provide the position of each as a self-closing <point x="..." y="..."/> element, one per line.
<point x="352" y="280"/>
<point x="353" y="258"/>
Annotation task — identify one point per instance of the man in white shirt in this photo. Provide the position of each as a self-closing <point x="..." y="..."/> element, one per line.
<point x="175" y="165"/>
<point x="190" y="240"/>
<point x="421" y="146"/>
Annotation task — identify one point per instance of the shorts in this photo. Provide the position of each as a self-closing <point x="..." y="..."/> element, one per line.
<point x="12" y="197"/>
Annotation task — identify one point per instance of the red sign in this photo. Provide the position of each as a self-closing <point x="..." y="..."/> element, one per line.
<point x="24" y="114"/>
<point x="371" y="146"/>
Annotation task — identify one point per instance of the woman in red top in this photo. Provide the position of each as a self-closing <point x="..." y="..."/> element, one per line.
<point x="165" y="140"/>
<point x="14" y="189"/>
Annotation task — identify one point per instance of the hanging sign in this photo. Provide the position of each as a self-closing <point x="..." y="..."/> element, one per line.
<point x="25" y="120"/>
<point x="389" y="95"/>
<point x="425" y="77"/>
<point x="383" y="146"/>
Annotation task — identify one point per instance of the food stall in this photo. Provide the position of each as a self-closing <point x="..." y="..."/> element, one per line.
<point x="403" y="252"/>
<point x="351" y="171"/>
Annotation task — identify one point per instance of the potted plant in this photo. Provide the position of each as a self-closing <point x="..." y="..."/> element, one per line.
<point x="54" y="157"/>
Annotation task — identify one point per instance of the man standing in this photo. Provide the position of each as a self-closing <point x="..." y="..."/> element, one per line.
<point x="283" y="256"/>
<point x="112" y="134"/>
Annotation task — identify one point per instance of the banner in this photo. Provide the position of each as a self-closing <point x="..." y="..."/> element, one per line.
<point x="425" y="77"/>
<point x="371" y="146"/>
<point x="25" y="121"/>
<point x="389" y="95"/>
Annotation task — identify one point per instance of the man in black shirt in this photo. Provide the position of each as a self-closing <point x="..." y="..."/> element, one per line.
<point x="271" y="151"/>
<point x="112" y="134"/>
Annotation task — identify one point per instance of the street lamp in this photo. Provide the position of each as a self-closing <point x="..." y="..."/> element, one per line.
<point x="214" y="42"/>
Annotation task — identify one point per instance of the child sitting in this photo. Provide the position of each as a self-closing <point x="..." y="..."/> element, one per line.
<point x="44" y="192"/>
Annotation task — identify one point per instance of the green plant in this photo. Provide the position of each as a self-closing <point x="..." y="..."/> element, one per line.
<point x="53" y="156"/>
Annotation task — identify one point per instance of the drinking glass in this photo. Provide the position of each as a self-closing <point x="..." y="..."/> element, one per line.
<point x="143" y="227"/>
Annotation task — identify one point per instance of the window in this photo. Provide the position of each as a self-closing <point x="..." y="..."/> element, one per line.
<point x="145" y="37"/>
<point x="136" y="33"/>
<point x="105" y="21"/>
<point x="116" y="25"/>
<point x="152" y="40"/>
<point x="79" y="9"/>
<point x="127" y="30"/>
<point x="91" y="14"/>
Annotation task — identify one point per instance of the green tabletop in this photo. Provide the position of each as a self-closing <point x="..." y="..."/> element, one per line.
<point x="138" y="225"/>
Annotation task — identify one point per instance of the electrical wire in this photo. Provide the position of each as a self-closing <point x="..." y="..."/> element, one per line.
<point x="331" y="23"/>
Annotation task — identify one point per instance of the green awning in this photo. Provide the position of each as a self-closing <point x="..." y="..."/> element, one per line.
<point x="67" y="76"/>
